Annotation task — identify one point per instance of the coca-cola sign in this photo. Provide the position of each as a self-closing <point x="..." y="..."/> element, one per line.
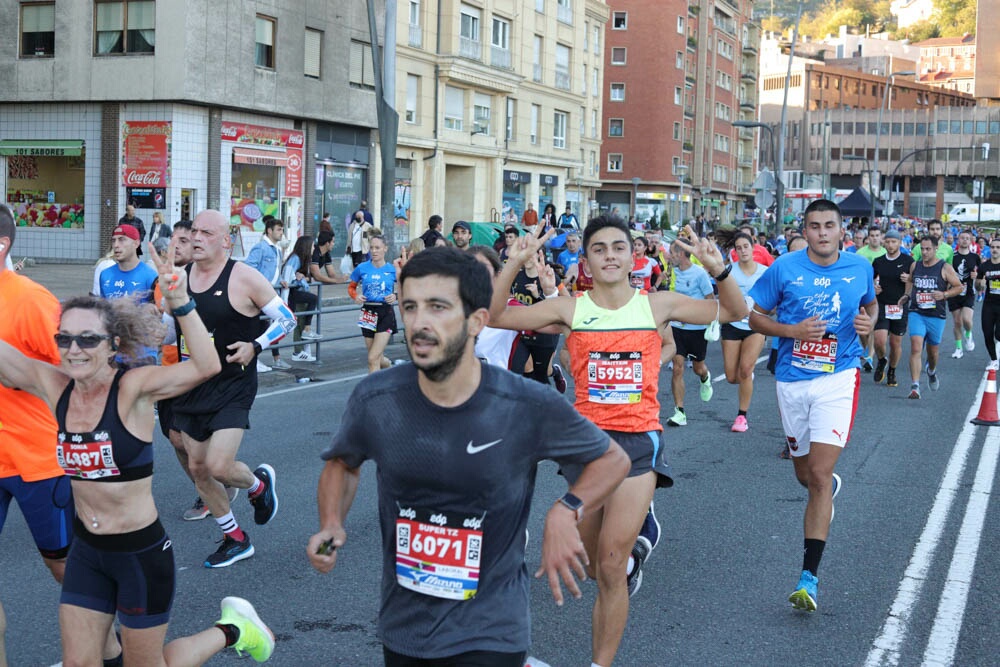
<point x="146" y="154"/>
<point x="244" y="133"/>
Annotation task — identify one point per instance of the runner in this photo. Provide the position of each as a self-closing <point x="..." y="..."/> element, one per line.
<point x="989" y="280"/>
<point x="212" y="417"/>
<point x="377" y="282"/>
<point x="740" y="344"/>
<point x="121" y="562"/>
<point x="615" y="350"/>
<point x="870" y="250"/>
<point x="944" y="251"/>
<point x="824" y="298"/>
<point x="465" y="497"/>
<point x="962" y="307"/>
<point x="930" y="282"/>
<point x="645" y="271"/>
<point x="891" y="324"/>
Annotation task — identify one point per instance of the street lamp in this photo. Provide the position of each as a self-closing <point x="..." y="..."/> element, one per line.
<point x="877" y="184"/>
<point x="779" y="187"/>
<point x="682" y="168"/>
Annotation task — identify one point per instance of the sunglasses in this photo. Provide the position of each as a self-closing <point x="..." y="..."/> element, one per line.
<point x="83" y="341"/>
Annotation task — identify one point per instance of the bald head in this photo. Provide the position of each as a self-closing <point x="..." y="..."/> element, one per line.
<point x="210" y="237"/>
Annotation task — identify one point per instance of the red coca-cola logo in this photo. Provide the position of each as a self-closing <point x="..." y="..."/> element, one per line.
<point x="229" y="131"/>
<point x="151" y="177"/>
<point x="295" y="139"/>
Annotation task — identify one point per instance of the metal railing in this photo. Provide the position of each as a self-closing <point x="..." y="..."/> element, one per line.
<point x="470" y="48"/>
<point x="562" y="79"/>
<point x="499" y="57"/>
<point x="416" y="36"/>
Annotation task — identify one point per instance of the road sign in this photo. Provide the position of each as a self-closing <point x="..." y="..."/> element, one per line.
<point x="764" y="199"/>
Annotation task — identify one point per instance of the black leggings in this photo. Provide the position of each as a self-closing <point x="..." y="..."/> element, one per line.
<point x="540" y="349"/>
<point x="991" y="327"/>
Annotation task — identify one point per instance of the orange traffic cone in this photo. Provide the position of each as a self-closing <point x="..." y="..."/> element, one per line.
<point x="988" y="408"/>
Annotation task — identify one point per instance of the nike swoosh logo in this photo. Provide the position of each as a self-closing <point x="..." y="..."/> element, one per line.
<point x="475" y="449"/>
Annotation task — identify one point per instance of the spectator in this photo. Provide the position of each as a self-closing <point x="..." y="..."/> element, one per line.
<point x="357" y="237"/>
<point x="568" y="220"/>
<point x="266" y="258"/>
<point x="321" y="267"/>
<point x="324" y="224"/>
<point x="461" y="234"/>
<point x="295" y="274"/>
<point x="530" y="217"/>
<point x="160" y="229"/>
<point x="130" y="219"/>
<point x="433" y="233"/>
<point x="365" y="213"/>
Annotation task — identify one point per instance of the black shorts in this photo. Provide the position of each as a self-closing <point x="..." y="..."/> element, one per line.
<point x="165" y="415"/>
<point x="690" y="343"/>
<point x="201" y="427"/>
<point x="47" y="507"/>
<point x="385" y="319"/>
<point x="895" y="327"/>
<point x="729" y="332"/>
<point x="967" y="300"/>
<point x="131" y="574"/>
<point x="647" y="453"/>
<point x="468" y="659"/>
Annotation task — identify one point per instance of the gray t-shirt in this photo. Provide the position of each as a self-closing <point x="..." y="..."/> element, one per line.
<point x="466" y="475"/>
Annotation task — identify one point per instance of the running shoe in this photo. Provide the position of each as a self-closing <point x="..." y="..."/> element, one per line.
<point x="706" y="387"/>
<point x="932" y="379"/>
<point x="880" y="369"/>
<point x="679" y="419"/>
<point x="197" y="511"/>
<point x="957" y="354"/>
<point x="836" y="489"/>
<point x="650" y="531"/>
<point x="256" y="639"/>
<point x="265" y="506"/>
<point x="262" y="367"/>
<point x="740" y="424"/>
<point x="303" y="356"/>
<point x="914" y="391"/>
<point x="805" y="594"/>
<point x="890" y="378"/>
<point x="866" y="362"/>
<point x="970" y="344"/>
<point x="281" y="364"/>
<point x="230" y="551"/>
<point x="640" y="552"/>
<point x="993" y="366"/>
<point x="558" y="378"/>
<point x="311" y="335"/>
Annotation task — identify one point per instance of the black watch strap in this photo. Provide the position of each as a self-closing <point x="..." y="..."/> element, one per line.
<point x="257" y="349"/>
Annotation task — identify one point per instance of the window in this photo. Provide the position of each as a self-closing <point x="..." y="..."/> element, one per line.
<point x="38" y="30"/>
<point x="362" y="72"/>
<point x="722" y="143"/>
<point x="593" y="123"/>
<point x="511" y="115"/>
<point x="412" y="91"/>
<point x="677" y="95"/>
<point x="125" y="27"/>
<point x="584" y="91"/>
<point x="500" y="43"/>
<point x="535" y="113"/>
<point x="454" y="108"/>
<point x="680" y="25"/>
<point x="586" y="36"/>
<point x="468" y="38"/>
<point x="564" y="12"/>
<point x="616" y="127"/>
<point x="679" y="60"/>
<point x="596" y="86"/>
<point x="416" y="37"/>
<point x="537" y="59"/>
<point x="313" y="52"/>
<point x="540" y="6"/>
<point x="614" y="161"/>
<point x="481" y="107"/>
<point x="562" y="66"/>
<point x="559" y="119"/>
<point x="618" y="55"/>
<point x="619" y="21"/>
<point x="618" y="92"/>
<point x="720" y="173"/>
<point x="597" y="40"/>
<point x="593" y="163"/>
<point x="677" y="131"/>
<point x="414" y="12"/>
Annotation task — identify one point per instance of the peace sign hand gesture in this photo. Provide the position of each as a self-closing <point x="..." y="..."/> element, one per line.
<point x="706" y="251"/>
<point x="173" y="281"/>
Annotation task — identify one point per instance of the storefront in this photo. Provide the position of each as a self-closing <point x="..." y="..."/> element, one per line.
<point x="515" y="194"/>
<point x="341" y="178"/>
<point x="547" y="184"/>
<point x="650" y="207"/>
<point x="45" y="182"/>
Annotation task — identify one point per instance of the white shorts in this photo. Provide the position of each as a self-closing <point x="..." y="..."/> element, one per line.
<point x="819" y="410"/>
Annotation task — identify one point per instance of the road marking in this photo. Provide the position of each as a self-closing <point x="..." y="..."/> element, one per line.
<point x="310" y="385"/>
<point x="720" y="378"/>
<point x="948" y="623"/>
<point x="885" y="648"/>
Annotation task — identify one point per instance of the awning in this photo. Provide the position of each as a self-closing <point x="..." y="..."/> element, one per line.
<point x="41" y="147"/>
<point x="259" y="157"/>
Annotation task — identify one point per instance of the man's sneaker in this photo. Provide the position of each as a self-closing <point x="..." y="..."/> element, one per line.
<point x="640" y="552"/>
<point x="262" y="367"/>
<point x="558" y="378"/>
<point x="197" y="511"/>
<point x="303" y="356"/>
<point x="836" y="489"/>
<point x="679" y="419"/>
<point x="880" y="369"/>
<point x="265" y="506"/>
<point x="706" y="387"/>
<point x="866" y="363"/>
<point x="932" y="379"/>
<point x="957" y="354"/>
<point x="890" y="378"/>
<point x="532" y="661"/>
<point x="281" y="364"/>
<point x="230" y="551"/>
<point x="740" y="424"/>
<point x="970" y="344"/>
<point x="805" y="594"/>
<point x="311" y="335"/>
<point x="914" y="391"/>
<point x="650" y="531"/>
<point x="256" y="639"/>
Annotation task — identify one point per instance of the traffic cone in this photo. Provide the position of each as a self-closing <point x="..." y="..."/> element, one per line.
<point x="988" y="408"/>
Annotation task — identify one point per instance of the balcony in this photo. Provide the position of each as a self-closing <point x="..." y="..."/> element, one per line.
<point x="470" y="48"/>
<point x="728" y="27"/>
<point x="500" y="57"/>
<point x="745" y="161"/>
<point x="747" y="103"/>
<point x="564" y="14"/>
<point x="748" y="74"/>
<point x="689" y="110"/>
<point x="692" y="43"/>
<point x="416" y="36"/>
<point x="687" y="146"/>
<point x="689" y="73"/>
<point x="749" y="48"/>
<point x="562" y="79"/>
<point x="536" y="73"/>
<point x="732" y="3"/>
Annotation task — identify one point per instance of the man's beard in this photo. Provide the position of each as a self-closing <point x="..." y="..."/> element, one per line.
<point x="451" y="354"/>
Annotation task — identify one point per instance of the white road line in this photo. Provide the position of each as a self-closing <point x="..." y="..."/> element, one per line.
<point x="885" y="648"/>
<point x="944" y="635"/>
<point x="720" y="378"/>
<point x="310" y="385"/>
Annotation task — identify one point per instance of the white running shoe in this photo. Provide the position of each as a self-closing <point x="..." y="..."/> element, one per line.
<point x="993" y="366"/>
<point x="311" y="335"/>
<point x="281" y="364"/>
<point x="957" y="354"/>
<point x="303" y="356"/>
<point x="262" y="367"/>
<point x="970" y="344"/>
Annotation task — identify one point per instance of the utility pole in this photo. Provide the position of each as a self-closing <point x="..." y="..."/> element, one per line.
<point x="779" y="217"/>
<point x="385" y="112"/>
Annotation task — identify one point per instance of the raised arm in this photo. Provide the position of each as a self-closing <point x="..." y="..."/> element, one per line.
<point x="551" y="311"/>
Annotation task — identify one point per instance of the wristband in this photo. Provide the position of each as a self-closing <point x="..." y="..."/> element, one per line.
<point x="725" y="274"/>
<point x="551" y="296"/>
<point x="183" y="310"/>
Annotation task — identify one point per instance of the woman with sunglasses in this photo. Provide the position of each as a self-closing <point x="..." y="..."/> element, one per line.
<point x="989" y="280"/>
<point x="121" y="558"/>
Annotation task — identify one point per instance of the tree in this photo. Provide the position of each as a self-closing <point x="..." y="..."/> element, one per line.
<point x="955" y="17"/>
<point x="773" y="24"/>
<point x="918" y="32"/>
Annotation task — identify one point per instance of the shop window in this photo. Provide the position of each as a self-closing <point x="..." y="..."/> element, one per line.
<point x="38" y="29"/>
<point x="264" y="53"/>
<point x="45" y="182"/>
<point x="313" y="52"/>
<point x="125" y="28"/>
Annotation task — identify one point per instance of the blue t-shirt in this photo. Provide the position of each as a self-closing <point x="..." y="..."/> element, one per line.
<point x="375" y="283"/>
<point x="800" y="289"/>
<point x="568" y="259"/>
<point x="745" y="282"/>
<point x="141" y="280"/>
<point x="695" y="283"/>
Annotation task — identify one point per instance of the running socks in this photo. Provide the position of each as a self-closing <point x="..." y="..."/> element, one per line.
<point x="741" y="413"/>
<point x="231" y="632"/>
<point x="228" y="525"/>
<point x="257" y="488"/>
<point x="812" y="552"/>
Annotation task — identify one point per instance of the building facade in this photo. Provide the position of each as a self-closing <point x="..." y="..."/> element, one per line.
<point x="948" y="62"/>
<point x="240" y="105"/>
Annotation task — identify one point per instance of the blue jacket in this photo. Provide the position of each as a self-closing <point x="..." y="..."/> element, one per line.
<point x="266" y="258"/>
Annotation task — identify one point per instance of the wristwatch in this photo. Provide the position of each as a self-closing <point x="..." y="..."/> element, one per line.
<point x="257" y="349"/>
<point x="573" y="503"/>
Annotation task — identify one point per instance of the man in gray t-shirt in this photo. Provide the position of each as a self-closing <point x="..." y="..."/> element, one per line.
<point x="456" y="448"/>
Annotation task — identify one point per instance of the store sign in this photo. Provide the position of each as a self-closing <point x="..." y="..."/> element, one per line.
<point x="517" y="177"/>
<point x="147" y="198"/>
<point x="146" y="154"/>
<point x="40" y="148"/>
<point x="547" y="179"/>
<point x="293" y="141"/>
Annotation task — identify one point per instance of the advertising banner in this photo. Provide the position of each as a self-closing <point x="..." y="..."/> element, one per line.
<point x="146" y="154"/>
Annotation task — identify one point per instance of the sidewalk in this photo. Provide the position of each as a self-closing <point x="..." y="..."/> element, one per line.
<point x="339" y="358"/>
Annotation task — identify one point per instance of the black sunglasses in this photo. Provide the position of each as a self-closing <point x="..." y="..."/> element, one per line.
<point x="83" y="341"/>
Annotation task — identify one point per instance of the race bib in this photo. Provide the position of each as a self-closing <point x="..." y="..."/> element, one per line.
<point x="368" y="319"/>
<point x="893" y="312"/>
<point x="995" y="287"/>
<point x="87" y="456"/>
<point x="965" y="287"/>
<point x="636" y="280"/>
<point x="925" y="300"/>
<point x="438" y="554"/>
<point x="815" y="355"/>
<point x="185" y="353"/>
<point x="614" y="378"/>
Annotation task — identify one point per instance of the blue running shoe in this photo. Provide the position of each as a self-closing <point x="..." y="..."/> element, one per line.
<point x="836" y="490"/>
<point x="230" y="551"/>
<point x="640" y="553"/>
<point x="805" y="593"/>
<point x="265" y="505"/>
<point x="650" y="530"/>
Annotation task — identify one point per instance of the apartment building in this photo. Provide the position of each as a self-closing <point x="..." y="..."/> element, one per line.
<point x="678" y="73"/>
<point x="500" y="106"/>
<point x="948" y="62"/>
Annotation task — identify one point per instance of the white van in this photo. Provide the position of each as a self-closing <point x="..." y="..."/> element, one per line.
<point x="970" y="213"/>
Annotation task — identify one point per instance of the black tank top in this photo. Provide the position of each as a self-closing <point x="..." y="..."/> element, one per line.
<point x="927" y="279"/>
<point x="990" y="274"/>
<point x="109" y="453"/>
<point x="235" y="385"/>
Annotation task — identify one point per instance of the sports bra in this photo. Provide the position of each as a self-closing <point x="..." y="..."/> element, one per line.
<point x="109" y="453"/>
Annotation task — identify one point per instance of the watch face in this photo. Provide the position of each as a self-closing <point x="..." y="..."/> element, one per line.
<point x="572" y="502"/>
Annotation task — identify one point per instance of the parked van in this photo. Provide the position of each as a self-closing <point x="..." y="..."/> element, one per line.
<point x="970" y="213"/>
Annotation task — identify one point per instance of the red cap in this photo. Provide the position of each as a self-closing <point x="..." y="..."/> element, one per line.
<point x="126" y="230"/>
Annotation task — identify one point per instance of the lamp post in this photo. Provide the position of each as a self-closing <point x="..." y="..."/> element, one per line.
<point x="635" y="197"/>
<point x="779" y="187"/>
<point x="682" y="168"/>
<point x="877" y="182"/>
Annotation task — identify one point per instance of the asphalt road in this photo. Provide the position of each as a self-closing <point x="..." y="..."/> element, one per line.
<point x="909" y="575"/>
